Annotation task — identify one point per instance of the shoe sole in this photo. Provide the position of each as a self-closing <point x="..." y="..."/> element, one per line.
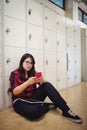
<point x="75" y="121"/>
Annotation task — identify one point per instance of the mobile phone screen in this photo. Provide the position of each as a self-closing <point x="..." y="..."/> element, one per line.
<point x="38" y="74"/>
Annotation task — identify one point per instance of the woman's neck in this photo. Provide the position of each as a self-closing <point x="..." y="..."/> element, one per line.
<point x="26" y="75"/>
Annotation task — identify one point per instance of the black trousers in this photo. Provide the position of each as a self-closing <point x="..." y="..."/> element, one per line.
<point x="37" y="109"/>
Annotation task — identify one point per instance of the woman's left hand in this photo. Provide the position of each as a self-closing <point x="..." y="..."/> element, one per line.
<point x="40" y="80"/>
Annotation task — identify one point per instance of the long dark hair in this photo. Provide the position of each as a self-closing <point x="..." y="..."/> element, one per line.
<point x="21" y="69"/>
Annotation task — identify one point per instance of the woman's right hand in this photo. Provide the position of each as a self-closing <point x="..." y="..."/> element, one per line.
<point x="32" y="80"/>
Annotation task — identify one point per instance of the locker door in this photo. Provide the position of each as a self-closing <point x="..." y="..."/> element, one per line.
<point x="50" y="61"/>
<point x="50" y="40"/>
<point x="70" y="78"/>
<point x="77" y="53"/>
<point x="61" y="34"/>
<point x="15" y="9"/>
<point x="14" y="32"/>
<point x="51" y="77"/>
<point x="77" y="38"/>
<point x="77" y="68"/>
<point x="1" y="99"/>
<point x="70" y="69"/>
<point x="35" y="37"/>
<point x="38" y="56"/>
<point x="0" y="61"/>
<point x="0" y="45"/>
<point x="61" y="70"/>
<point x="0" y="15"/>
<point x="35" y="12"/>
<point x="0" y="4"/>
<point x="12" y="58"/>
<point x="70" y="52"/>
<point x="49" y="19"/>
<point x="0" y="34"/>
<point x="69" y="35"/>
<point x="8" y="100"/>
<point x="50" y="67"/>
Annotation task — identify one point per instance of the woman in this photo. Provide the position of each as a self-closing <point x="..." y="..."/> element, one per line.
<point x="28" y="98"/>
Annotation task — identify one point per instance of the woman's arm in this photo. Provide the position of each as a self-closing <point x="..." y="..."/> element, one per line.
<point x="41" y="80"/>
<point x="20" y="88"/>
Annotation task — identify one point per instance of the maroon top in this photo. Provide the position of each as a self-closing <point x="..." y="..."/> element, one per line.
<point x="15" y="80"/>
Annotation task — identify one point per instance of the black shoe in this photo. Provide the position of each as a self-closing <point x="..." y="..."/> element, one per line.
<point x="70" y="115"/>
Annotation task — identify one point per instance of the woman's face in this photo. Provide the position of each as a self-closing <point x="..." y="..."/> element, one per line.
<point x="27" y="64"/>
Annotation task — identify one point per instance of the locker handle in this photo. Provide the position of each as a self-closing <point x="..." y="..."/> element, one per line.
<point x="67" y="60"/>
<point x="7" y="1"/>
<point x="58" y="42"/>
<point x="58" y="80"/>
<point x="58" y="61"/>
<point x="30" y="36"/>
<point x="75" y="61"/>
<point x="7" y="30"/>
<point x="46" y="62"/>
<point x="29" y="12"/>
<point x="8" y="60"/>
<point x="57" y="23"/>
<point x="75" y="46"/>
<point x="46" y="17"/>
<point x="46" y="40"/>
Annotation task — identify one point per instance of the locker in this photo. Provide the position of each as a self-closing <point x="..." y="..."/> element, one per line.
<point x="38" y="56"/>
<point x="0" y="16"/>
<point x="61" y="80"/>
<point x="49" y="20"/>
<point x="0" y="34"/>
<point x="61" y="70"/>
<point x="77" y="53"/>
<point x="35" y="37"/>
<point x="0" y="61"/>
<point x="78" y="61"/>
<point x="0" y="4"/>
<point x="77" y="76"/>
<point x="50" y="40"/>
<point x="51" y="77"/>
<point x="8" y="100"/>
<point x="77" y="68"/>
<point x="70" y="69"/>
<point x="61" y="35"/>
<point x="1" y="99"/>
<point x="77" y="39"/>
<point x="69" y="35"/>
<point x="14" y="32"/>
<point x="35" y="12"/>
<point x="70" y="61"/>
<point x="12" y="58"/>
<point x="61" y="61"/>
<point x="15" y="9"/>
<point x="76" y="32"/>
<point x="70" y="78"/>
<point x="50" y="61"/>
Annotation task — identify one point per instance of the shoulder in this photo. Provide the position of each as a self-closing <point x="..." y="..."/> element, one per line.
<point x="15" y="73"/>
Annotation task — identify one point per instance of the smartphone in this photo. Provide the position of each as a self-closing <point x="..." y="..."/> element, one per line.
<point x="38" y="74"/>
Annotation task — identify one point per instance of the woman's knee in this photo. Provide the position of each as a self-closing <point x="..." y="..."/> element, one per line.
<point x="47" y="83"/>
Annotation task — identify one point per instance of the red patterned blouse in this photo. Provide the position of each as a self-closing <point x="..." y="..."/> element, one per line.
<point x="15" y="80"/>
